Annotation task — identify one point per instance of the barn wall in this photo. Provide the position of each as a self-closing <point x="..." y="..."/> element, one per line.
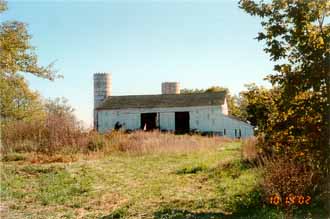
<point x="202" y="118"/>
<point x="167" y="120"/>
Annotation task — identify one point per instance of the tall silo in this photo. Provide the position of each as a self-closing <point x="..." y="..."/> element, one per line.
<point x="102" y="87"/>
<point x="170" y="88"/>
<point x="102" y="90"/>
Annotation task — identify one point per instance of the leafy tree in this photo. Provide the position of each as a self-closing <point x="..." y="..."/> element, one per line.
<point x="217" y="89"/>
<point x="18" y="102"/>
<point x="191" y="91"/>
<point x="258" y="103"/>
<point x="59" y="107"/>
<point x="297" y="38"/>
<point x="18" y="57"/>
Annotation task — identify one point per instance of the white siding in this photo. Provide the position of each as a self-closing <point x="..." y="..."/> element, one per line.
<point x="167" y="120"/>
<point x="202" y="118"/>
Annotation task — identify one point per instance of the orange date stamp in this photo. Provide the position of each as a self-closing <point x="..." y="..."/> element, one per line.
<point x="290" y="200"/>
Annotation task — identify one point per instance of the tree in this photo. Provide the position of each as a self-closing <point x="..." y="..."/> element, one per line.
<point x="217" y="89"/>
<point x="59" y="107"/>
<point x="18" y="57"/>
<point x="257" y="104"/>
<point x="18" y="102"/>
<point x="297" y="37"/>
<point x="191" y="91"/>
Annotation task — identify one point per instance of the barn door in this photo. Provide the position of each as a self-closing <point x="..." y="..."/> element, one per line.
<point x="148" y="121"/>
<point x="182" y="122"/>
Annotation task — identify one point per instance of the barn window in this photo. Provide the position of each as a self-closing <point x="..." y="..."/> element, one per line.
<point x="235" y="132"/>
<point x="224" y="131"/>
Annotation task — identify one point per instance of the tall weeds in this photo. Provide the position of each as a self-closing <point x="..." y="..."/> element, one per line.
<point x="57" y="135"/>
<point x="44" y="135"/>
<point x="156" y="142"/>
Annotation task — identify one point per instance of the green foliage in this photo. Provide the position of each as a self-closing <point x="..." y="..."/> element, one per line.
<point x="18" y="102"/>
<point x="296" y="34"/>
<point x="217" y="89"/>
<point x="257" y="104"/>
<point x="17" y="57"/>
<point x="191" y="91"/>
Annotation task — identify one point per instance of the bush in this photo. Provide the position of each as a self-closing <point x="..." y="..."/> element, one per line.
<point x="288" y="179"/>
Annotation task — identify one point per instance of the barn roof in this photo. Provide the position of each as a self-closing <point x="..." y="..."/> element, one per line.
<point x="163" y="100"/>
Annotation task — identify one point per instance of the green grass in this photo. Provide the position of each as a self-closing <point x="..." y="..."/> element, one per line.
<point x="199" y="184"/>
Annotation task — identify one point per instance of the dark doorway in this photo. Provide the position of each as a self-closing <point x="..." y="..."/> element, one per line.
<point x="182" y="122"/>
<point x="148" y="121"/>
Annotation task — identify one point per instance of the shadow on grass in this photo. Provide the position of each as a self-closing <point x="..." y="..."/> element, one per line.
<point x="244" y="214"/>
<point x="168" y="213"/>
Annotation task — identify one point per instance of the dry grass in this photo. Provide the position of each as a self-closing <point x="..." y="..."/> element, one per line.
<point x="156" y="142"/>
<point x="249" y="149"/>
<point x="92" y="145"/>
<point x="46" y="135"/>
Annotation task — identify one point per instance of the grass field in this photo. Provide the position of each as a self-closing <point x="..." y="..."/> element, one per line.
<point x="139" y="175"/>
<point x="197" y="184"/>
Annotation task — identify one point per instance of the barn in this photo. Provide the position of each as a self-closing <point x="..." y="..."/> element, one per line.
<point x="169" y="111"/>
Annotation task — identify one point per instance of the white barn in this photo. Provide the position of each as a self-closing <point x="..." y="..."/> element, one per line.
<point x="201" y="112"/>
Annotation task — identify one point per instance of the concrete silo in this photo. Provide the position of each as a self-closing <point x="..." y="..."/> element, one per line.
<point x="170" y="88"/>
<point x="102" y="90"/>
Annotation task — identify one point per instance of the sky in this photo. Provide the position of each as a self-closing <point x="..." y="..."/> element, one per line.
<point x="142" y="43"/>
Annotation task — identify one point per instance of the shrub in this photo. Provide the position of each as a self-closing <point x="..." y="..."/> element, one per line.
<point x="285" y="178"/>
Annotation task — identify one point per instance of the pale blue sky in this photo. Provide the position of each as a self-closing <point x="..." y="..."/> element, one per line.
<point x="198" y="43"/>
